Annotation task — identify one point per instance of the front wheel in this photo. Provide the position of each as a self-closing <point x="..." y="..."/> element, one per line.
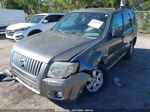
<point x="95" y="82"/>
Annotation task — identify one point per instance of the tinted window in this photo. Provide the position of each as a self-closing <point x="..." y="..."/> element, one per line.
<point x="132" y="15"/>
<point x="58" y="17"/>
<point x="53" y="18"/>
<point x="127" y="20"/>
<point x="117" y="23"/>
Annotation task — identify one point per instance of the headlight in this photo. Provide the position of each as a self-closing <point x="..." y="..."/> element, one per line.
<point x="23" y="29"/>
<point x="62" y="69"/>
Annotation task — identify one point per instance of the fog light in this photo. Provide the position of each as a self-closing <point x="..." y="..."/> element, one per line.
<point x="59" y="95"/>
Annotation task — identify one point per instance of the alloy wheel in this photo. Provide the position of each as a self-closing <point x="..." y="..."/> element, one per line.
<point x="95" y="82"/>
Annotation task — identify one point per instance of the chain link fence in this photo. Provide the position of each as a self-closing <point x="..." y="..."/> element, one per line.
<point x="143" y="18"/>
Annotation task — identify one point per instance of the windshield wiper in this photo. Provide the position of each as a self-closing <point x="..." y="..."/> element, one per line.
<point x="80" y="34"/>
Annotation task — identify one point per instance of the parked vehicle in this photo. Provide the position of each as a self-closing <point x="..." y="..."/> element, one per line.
<point x="76" y="54"/>
<point x="10" y="16"/>
<point x="38" y="23"/>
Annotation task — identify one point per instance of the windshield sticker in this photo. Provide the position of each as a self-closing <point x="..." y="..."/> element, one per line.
<point x="95" y="23"/>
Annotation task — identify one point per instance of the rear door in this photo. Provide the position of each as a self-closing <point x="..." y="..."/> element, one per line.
<point x="128" y="28"/>
<point x="134" y="23"/>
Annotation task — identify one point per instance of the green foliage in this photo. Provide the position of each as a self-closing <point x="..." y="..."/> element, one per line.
<point x="37" y="6"/>
<point x="146" y="5"/>
<point x="77" y="4"/>
<point x="143" y="20"/>
<point x="11" y="4"/>
<point x="30" y="6"/>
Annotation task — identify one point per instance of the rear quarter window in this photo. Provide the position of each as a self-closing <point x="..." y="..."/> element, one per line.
<point x="127" y="20"/>
<point x="133" y="17"/>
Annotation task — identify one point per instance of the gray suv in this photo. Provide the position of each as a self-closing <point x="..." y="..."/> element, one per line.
<point x="76" y="53"/>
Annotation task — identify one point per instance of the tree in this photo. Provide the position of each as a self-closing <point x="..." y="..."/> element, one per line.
<point x="37" y="6"/>
<point x="11" y="4"/>
<point x="145" y="5"/>
<point x="1" y="4"/>
<point x="29" y="6"/>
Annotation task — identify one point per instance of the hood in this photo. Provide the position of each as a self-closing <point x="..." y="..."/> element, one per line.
<point x="53" y="45"/>
<point x="19" y="26"/>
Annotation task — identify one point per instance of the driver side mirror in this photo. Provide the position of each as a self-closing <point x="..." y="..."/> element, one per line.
<point x="117" y="33"/>
<point x="45" y="21"/>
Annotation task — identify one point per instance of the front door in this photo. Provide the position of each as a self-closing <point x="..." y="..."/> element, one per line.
<point x="115" y="44"/>
<point x="50" y="21"/>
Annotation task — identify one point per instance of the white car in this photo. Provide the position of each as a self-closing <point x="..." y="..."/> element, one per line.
<point x="39" y="23"/>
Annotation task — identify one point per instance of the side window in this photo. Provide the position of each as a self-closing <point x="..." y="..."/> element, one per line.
<point x="53" y="18"/>
<point x="58" y="17"/>
<point x="127" y="20"/>
<point x="117" y="23"/>
<point x="132" y="16"/>
<point x="48" y="19"/>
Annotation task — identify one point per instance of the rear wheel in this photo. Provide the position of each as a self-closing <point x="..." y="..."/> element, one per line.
<point x="130" y="51"/>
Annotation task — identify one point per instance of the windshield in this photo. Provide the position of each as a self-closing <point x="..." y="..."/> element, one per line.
<point x="83" y="23"/>
<point x="36" y="19"/>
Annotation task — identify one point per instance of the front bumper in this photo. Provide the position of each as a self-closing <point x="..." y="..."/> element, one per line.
<point x="18" y="35"/>
<point x="69" y="88"/>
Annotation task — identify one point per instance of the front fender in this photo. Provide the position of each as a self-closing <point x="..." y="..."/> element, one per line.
<point x="90" y="59"/>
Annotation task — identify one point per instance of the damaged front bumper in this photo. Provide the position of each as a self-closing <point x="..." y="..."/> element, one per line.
<point x="57" y="89"/>
<point x="64" y="89"/>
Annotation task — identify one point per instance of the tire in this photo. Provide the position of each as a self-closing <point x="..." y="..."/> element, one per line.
<point x="130" y="51"/>
<point x="96" y="81"/>
<point x="34" y="32"/>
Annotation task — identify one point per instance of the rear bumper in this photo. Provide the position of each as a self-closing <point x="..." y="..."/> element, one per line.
<point x="69" y="88"/>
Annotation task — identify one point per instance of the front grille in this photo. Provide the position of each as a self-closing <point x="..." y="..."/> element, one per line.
<point x="26" y="64"/>
<point x="10" y="32"/>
